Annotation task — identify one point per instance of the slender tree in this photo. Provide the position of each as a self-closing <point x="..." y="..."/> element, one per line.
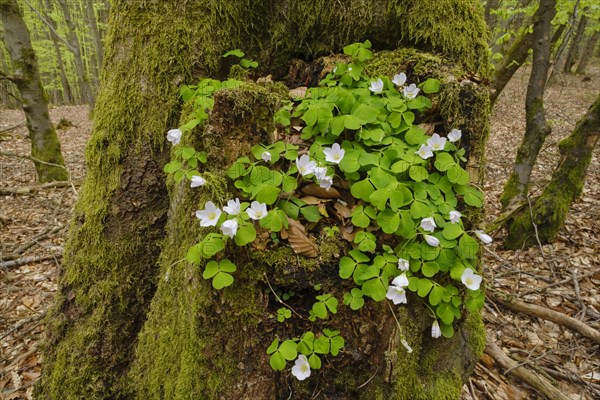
<point x="588" y="52"/>
<point x="133" y="322"/>
<point x="549" y="210"/>
<point x="537" y="128"/>
<point x="578" y="40"/>
<point x="45" y="147"/>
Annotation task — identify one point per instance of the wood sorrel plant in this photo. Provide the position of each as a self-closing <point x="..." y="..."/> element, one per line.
<point x="408" y="188"/>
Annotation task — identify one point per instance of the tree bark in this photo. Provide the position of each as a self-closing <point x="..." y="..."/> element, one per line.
<point x="561" y="54"/>
<point x="588" y="53"/>
<point x="549" y="210"/>
<point x="573" y="54"/>
<point x="82" y="75"/>
<point x="45" y="147"/>
<point x="91" y="21"/>
<point x="536" y="129"/>
<point x="130" y="320"/>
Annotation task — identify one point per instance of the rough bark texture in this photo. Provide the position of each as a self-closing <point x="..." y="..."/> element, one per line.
<point x="536" y="129"/>
<point x="45" y="147"/>
<point x="196" y="343"/>
<point x="549" y="210"/>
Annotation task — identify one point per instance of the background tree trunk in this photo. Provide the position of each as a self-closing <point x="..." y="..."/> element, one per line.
<point x="549" y="210"/>
<point x="66" y="86"/>
<point x="578" y="40"/>
<point x="561" y="53"/>
<point x="588" y="52"/>
<point x="45" y="147"/>
<point x="113" y="260"/>
<point x="536" y="129"/>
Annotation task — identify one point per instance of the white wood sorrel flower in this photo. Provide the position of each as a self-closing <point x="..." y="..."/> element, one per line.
<point x="257" y="210"/>
<point x="197" y="180"/>
<point x="454" y="135"/>
<point x="484" y="237"/>
<point x="436" y="142"/>
<point x="376" y="86"/>
<point x="305" y="165"/>
<point x="324" y="181"/>
<point x="399" y="79"/>
<point x="411" y="91"/>
<point x="334" y="154"/>
<point x="266" y="156"/>
<point x="174" y="136"/>
<point x="455" y="216"/>
<point x="233" y="207"/>
<point x="432" y="241"/>
<point x="428" y="224"/>
<point x="229" y="227"/>
<point x="301" y="368"/>
<point x="210" y="215"/>
<point x="403" y="264"/>
<point x="436" y="332"/>
<point x="470" y="279"/>
<point x="424" y="152"/>
<point x="396" y="292"/>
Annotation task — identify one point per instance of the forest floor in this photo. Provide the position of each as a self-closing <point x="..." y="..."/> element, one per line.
<point x="563" y="277"/>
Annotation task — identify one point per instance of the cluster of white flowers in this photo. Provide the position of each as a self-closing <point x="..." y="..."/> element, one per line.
<point x="210" y="215"/>
<point x="410" y="92"/>
<point x="307" y="166"/>
<point x="437" y="143"/>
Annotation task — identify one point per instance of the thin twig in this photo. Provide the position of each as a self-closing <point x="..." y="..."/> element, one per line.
<point x="23" y="323"/>
<point x="579" y="277"/>
<point x="26" y="260"/>
<point x="35" y="188"/>
<point x="35" y="240"/>
<point x="279" y="298"/>
<point x="10" y="128"/>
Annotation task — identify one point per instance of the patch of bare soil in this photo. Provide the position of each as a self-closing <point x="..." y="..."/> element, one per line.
<point x="563" y="277"/>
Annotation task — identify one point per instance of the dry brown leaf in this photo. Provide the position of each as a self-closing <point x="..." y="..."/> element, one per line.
<point x="298" y="93"/>
<point x="300" y="242"/>
<point x="316" y="191"/>
<point x="348" y="233"/>
<point x="342" y="210"/>
<point x="428" y="128"/>
<point x="313" y="201"/>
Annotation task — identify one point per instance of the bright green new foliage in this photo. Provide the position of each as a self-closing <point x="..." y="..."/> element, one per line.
<point x="408" y="187"/>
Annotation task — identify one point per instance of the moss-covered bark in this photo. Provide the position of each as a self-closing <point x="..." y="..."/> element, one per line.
<point x="195" y="343"/>
<point x="45" y="147"/>
<point x="549" y="210"/>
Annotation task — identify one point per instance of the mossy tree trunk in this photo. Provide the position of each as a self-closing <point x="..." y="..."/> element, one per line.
<point x="549" y="210"/>
<point x="578" y="40"/>
<point x="45" y="147"/>
<point x="536" y="127"/>
<point x="588" y="52"/>
<point x="134" y="321"/>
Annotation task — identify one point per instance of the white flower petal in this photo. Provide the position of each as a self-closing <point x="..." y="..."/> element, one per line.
<point x="334" y="154"/>
<point x="411" y="91"/>
<point x="432" y="241"/>
<point x="210" y="215"/>
<point x="470" y="279"/>
<point x="455" y="216"/>
<point x="266" y="156"/>
<point x="305" y="165"/>
<point x="436" y="332"/>
<point x="301" y="368"/>
<point x="174" y="136"/>
<point x="376" y="86"/>
<point x="229" y="227"/>
<point x="424" y="152"/>
<point x="436" y="142"/>
<point x="454" y="135"/>
<point x="233" y="207"/>
<point x="399" y="79"/>
<point x="400" y="281"/>
<point x="257" y="211"/>
<point x="403" y="264"/>
<point x="428" y="224"/>
<point x="197" y="181"/>
<point x="484" y="237"/>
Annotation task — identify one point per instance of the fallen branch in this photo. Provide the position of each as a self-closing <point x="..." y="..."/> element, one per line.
<point x="10" y="128"/>
<point x="30" y="189"/>
<point x="35" y="240"/>
<point x="567" y="280"/>
<point x="547" y="314"/>
<point x="18" y="326"/>
<point x="524" y="374"/>
<point x="26" y="260"/>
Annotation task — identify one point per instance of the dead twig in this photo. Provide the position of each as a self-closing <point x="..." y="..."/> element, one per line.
<point x="18" y="326"/>
<point x="547" y="314"/>
<point x="566" y="280"/>
<point x="35" y="240"/>
<point x="26" y="260"/>
<point x="20" y="190"/>
<point x="531" y="378"/>
<point x="10" y="128"/>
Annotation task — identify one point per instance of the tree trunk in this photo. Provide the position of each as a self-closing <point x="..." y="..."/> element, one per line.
<point x="45" y="147"/>
<point x="75" y="47"/>
<point x="549" y="210"/>
<point x="490" y="17"/>
<point x="536" y="129"/>
<point x="66" y="86"/>
<point x="7" y="87"/>
<point x="516" y="56"/>
<point x="573" y="54"/>
<point x="130" y="320"/>
<point x="561" y="53"/>
<point x="91" y="21"/>
<point x="588" y="53"/>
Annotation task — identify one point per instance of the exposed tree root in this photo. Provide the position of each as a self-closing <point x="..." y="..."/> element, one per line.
<point x="529" y="377"/>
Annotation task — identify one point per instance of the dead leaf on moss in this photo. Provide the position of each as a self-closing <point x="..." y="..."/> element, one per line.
<point x="300" y="242"/>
